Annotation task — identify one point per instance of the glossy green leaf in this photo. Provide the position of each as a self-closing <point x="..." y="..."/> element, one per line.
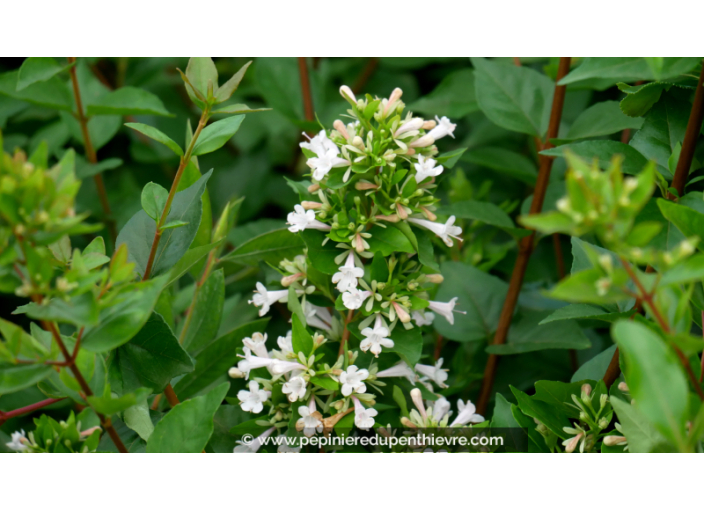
<point x="301" y="340"/>
<point x="271" y="247"/>
<point x="109" y="405"/>
<point x="52" y="93"/>
<point x="453" y="97"/>
<point x="217" y="134"/>
<point x="528" y="335"/>
<point x="18" y="377"/>
<point x="642" y="436"/>
<point x="505" y="162"/>
<point x="188" y="426"/>
<point x="389" y="240"/>
<point x="602" y="119"/>
<point x="38" y="69"/>
<point x="157" y="135"/>
<point x="154" y="200"/>
<point x="128" y="101"/>
<point x="206" y="314"/>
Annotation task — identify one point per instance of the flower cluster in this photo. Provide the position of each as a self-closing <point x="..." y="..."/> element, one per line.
<point x="368" y="206"/>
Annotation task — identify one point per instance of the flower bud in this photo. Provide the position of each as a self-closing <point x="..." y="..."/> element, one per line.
<point x="417" y="398"/>
<point x="288" y="280"/>
<point x="603" y="423"/>
<point x="423" y="141"/>
<point x="403" y="315"/>
<point x="428" y="213"/>
<point x="435" y="278"/>
<point x="347" y="93"/>
<point x="623" y="386"/>
<point x="313" y="188"/>
<point x="411" y="125"/>
<point x="358" y="142"/>
<point x="429" y="124"/>
<point x="614" y="440"/>
<point x="365" y="185"/>
<point x="391" y="219"/>
<point x="586" y="391"/>
<point x="603" y="399"/>
<point x="395" y="96"/>
<point x="235" y="373"/>
<point x="340" y="126"/>
<point x="311" y="205"/>
<point x="572" y="445"/>
<point x="408" y="423"/>
<point x="401" y="212"/>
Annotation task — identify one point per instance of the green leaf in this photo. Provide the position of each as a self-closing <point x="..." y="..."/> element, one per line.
<point x="128" y="101"/>
<point x="230" y="86"/>
<point x="602" y="119"/>
<point x="584" y="311"/>
<point x="18" y="377"/>
<point x="615" y="68"/>
<point x="690" y="270"/>
<point x="190" y="259"/>
<point x="479" y="294"/>
<point x="379" y="268"/>
<point x="642" y="436"/>
<point x="151" y="359"/>
<point x="81" y="310"/>
<point x="238" y="109"/>
<point x="596" y="367"/>
<point x="515" y="98"/>
<point x="426" y="252"/>
<point x="206" y="313"/>
<point x="85" y="169"/>
<point x="294" y="305"/>
<point x="271" y="247"/>
<point x="528" y="335"/>
<point x="321" y="256"/>
<point x="138" y="419"/>
<point x="138" y="233"/>
<point x="408" y="344"/>
<point x="485" y="212"/>
<point x="603" y="151"/>
<point x="217" y="134"/>
<point x="559" y="394"/>
<point x="551" y="416"/>
<point x="302" y="341"/>
<point x="188" y="426"/>
<point x="157" y="135"/>
<point x="505" y="162"/>
<point x="640" y="98"/>
<point x="38" y="69"/>
<point x="154" y="200"/>
<point x="52" y="93"/>
<point x="389" y="240"/>
<point x="325" y="382"/>
<point x="664" y="127"/>
<point x="453" y="97"/>
<point x="687" y="220"/>
<point x="450" y="159"/>
<point x="215" y="360"/>
<point x="655" y="379"/>
<point x="279" y="82"/>
<point x="199" y="72"/>
<point x="108" y="405"/>
<point x="123" y="319"/>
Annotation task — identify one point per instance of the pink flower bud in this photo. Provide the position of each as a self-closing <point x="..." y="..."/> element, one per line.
<point x="288" y="280"/>
<point x="401" y="211"/>
<point x="429" y="124"/>
<point x="347" y="93"/>
<point x="395" y="96"/>
<point x="435" y="278"/>
<point x="313" y="188"/>
<point x="428" y="214"/>
<point x="311" y="205"/>
<point x="423" y="141"/>
<point x="391" y="219"/>
<point x="340" y="126"/>
<point x="365" y="185"/>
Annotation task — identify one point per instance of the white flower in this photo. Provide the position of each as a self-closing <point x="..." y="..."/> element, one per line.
<point x="435" y="373"/>
<point x="445" y="309"/>
<point x="324" y="162"/>
<point x="257" y="344"/>
<point x="352" y="380"/>
<point x="375" y="338"/>
<point x="444" y="231"/>
<point x="444" y="128"/>
<point x="411" y="125"/>
<point x="466" y="414"/>
<point x="423" y="318"/>
<point x="285" y="448"/>
<point x="18" y="441"/>
<point x="319" y="144"/>
<point x="253" y="446"/>
<point x="301" y="219"/>
<point x="439" y="409"/>
<point x="354" y="298"/>
<point x="426" y="168"/>
<point x="346" y="279"/>
<point x="398" y="370"/>
<point x="253" y="400"/>
<point x="318" y="317"/>
<point x="363" y="418"/>
<point x="279" y="367"/>
<point x="285" y="343"/>
<point x="266" y="298"/>
<point x="250" y="362"/>
<point x="310" y="421"/>
<point x="295" y="388"/>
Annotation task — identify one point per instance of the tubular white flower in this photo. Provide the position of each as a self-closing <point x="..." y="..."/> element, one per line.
<point x="346" y="279"/>
<point x="254" y="446"/>
<point x="302" y="219"/>
<point x="250" y="362"/>
<point x="253" y="400"/>
<point x="375" y="338"/>
<point x="279" y="367"/>
<point x="18" y="441"/>
<point x="445" y="231"/>
<point x="423" y="318"/>
<point x="323" y="163"/>
<point x="352" y="380"/>
<point x="310" y="421"/>
<point x="443" y="128"/>
<point x="411" y="125"/>
<point x="319" y="144"/>
<point x="363" y="418"/>
<point x="467" y="414"/>
<point x="285" y="343"/>
<point x="440" y="408"/>
<point x="426" y="168"/>
<point x="317" y="317"/>
<point x="423" y="141"/>
<point x="265" y="298"/>
<point x="445" y="309"/>
<point x="295" y="388"/>
<point x="398" y="370"/>
<point x="435" y="373"/>
<point x="257" y="344"/>
<point x="354" y="298"/>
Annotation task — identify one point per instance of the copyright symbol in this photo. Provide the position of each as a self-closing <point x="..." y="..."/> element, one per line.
<point x="247" y="439"/>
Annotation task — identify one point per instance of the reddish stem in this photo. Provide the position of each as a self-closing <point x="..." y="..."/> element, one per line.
<point x="4" y="416"/>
